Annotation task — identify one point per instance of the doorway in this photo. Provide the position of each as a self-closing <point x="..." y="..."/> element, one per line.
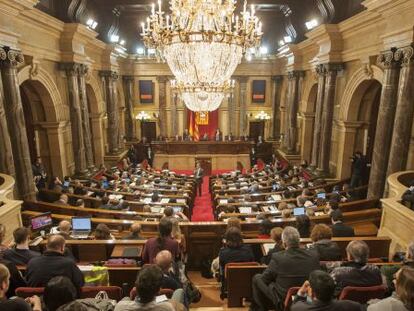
<point x="256" y="129"/>
<point x="149" y="130"/>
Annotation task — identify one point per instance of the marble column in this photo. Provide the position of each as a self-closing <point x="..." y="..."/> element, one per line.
<point x="109" y="79"/>
<point x="6" y="154"/>
<point x="129" y="107"/>
<point x="162" y="100"/>
<point x="277" y="82"/>
<point x="331" y="71"/>
<point x="78" y="140"/>
<point x="243" y="106"/>
<point x="174" y="115"/>
<point x="231" y="114"/>
<point x="404" y="113"/>
<point x="86" y="123"/>
<point x="385" y="124"/>
<point x="286" y="115"/>
<point x="295" y="80"/>
<point x="320" y="71"/>
<point x="9" y="60"/>
<point x="308" y="119"/>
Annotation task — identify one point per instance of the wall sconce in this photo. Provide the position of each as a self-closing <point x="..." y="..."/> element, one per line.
<point x="142" y="116"/>
<point x="262" y="116"/>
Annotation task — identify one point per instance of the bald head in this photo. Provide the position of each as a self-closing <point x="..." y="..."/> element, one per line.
<point x="64" y="198"/>
<point x="135" y="228"/>
<point x="65" y="226"/>
<point x="56" y="243"/>
<point x="164" y="260"/>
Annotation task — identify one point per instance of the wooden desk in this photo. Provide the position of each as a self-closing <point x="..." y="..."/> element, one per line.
<point x="202" y="147"/>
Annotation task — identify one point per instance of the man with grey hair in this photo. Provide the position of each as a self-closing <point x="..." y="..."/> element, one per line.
<point x="287" y="268"/>
<point x="356" y="271"/>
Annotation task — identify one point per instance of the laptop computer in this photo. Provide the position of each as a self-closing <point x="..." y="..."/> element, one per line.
<point x="299" y="211"/>
<point x="81" y="227"/>
<point x="41" y="222"/>
<point x="321" y="195"/>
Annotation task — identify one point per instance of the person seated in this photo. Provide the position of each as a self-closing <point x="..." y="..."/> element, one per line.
<point x="170" y="278"/>
<point x="55" y="184"/>
<point x="230" y="137"/>
<point x="79" y="189"/>
<point x="102" y="232"/>
<point x="317" y="295"/>
<point x="80" y="203"/>
<point x="408" y="196"/>
<point x="254" y="188"/>
<point x="286" y="213"/>
<point x="169" y="212"/>
<point x="63" y="200"/>
<point x="348" y="195"/>
<point x="403" y="297"/>
<point x="112" y="204"/>
<point x="287" y="268"/>
<point x="64" y="229"/>
<point x="59" y="293"/>
<point x="265" y="226"/>
<point x="3" y="247"/>
<point x="218" y="135"/>
<point x="331" y="205"/>
<point x="53" y="263"/>
<point x="164" y="241"/>
<point x="356" y="271"/>
<point x="16" y="279"/>
<point x="339" y="229"/>
<point x="17" y="304"/>
<point x="327" y="249"/>
<point x="205" y="137"/>
<point x="135" y="232"/>
<point x="276" y="235"/>
<point x="303" y="225"/>
<point x="20" y="254"/>
<point x="148" y="284"/>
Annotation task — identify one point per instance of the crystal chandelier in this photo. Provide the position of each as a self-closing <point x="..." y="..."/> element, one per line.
<point x="203" y="42"/>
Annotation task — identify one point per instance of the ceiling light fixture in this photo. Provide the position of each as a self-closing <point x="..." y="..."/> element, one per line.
<point x="91" y="23"/>
<point x="114" y="38"/>
<point x="287" y="39"/>
<point x="202" y="41"/>
<point x="311" y="24"/>
<point x="264" y="50"/>
<point x="140" y="51"/>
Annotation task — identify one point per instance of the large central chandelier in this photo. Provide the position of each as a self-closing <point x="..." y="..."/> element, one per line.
<point x="202" y="41"/>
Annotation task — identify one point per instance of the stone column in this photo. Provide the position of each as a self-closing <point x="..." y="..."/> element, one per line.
<point x="306" y="135"/>
<point x="78" y="140"/>
<point x="277" y="82"/>
<point x="109" y="79"/>
<point x="286" y="115"/>
<point x="294" y="78"/>
<point x="174" y="114"/>
<point x="129" y="107"/>
<point x="404" y="114"/>
<point x="327" y="116"/>
<point x="6" y="154"/>
<point x="86" y="123"/>
<point x="320" y="70"/>
<point x="231" y="114"/>
<point x="162" y="100"/>
<point x="9" y="60"/>
<point x="243" y="105"/>
<point x="385" y="124"/>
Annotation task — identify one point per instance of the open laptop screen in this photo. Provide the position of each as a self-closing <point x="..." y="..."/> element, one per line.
<point x="41" y="221"/>
<point x="298" y="211"/>
<point x="81" y="224"/>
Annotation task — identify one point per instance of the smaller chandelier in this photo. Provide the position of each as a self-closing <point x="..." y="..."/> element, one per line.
<point x="142" y="116"/>
<point x="202" y="97"/>
<point x="262" y="116"/>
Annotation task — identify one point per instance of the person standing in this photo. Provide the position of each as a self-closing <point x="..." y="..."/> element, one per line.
<point x="218" y="135"/>
<point x="359" y="170"/>
<point x="199" y="174"/>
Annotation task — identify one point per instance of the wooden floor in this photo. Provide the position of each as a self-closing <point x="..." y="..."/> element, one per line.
<point x="210" y="290"/>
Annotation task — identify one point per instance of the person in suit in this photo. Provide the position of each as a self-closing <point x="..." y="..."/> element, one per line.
<point x="316" y="295"/>
<point x="356" y="271"/>
<point x="359" y="170"/>
<point x="276" y="235"/>
<point x="218" y="135"/>
<point x="230" y="137"/>
<point x="339" y="229"/>
<point x="149" y="155"/>
<point x="252" y="157"/>
<point x="286" y="269"/>
<point x="186" y="135"/>
<point x="199" y="174"/>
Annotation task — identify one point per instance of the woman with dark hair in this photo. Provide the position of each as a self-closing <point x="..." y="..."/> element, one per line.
<point x="58" y="292"/>
<point x="164" y="241"/>
<point x="303" y="225"/>
<point x="265" y="227"/>
<point x="102" y="232"/>
<point x="403" y="297"/>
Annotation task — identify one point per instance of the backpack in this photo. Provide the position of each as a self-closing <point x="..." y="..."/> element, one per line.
<point x="100" y="303"/>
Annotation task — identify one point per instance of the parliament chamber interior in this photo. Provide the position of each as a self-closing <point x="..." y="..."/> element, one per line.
<point x="206" y="155"/>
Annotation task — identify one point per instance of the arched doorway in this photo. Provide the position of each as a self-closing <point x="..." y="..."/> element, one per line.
<point x="33" y="93"/>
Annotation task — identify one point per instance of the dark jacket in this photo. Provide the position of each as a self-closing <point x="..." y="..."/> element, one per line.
<point x="17" y="304"/>
<point x="19" y="256"/>
<point x="227" y="255"/>
<point x="16" y="279"/>
<point x="328" y="250"/>
<point x="356" y="274"/>
<point x="300" y="304"/>
<point x="41" y="269"/>
<point x="341" y="230"/>
<point x="266" y="259"/>
<point x="289" y="268"/>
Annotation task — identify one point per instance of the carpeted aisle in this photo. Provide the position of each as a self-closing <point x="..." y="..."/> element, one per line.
<point x="203" y="209"/>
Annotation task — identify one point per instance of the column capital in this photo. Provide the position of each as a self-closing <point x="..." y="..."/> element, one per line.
<point x="83" y="69"/>
<point x="294" y="74"/>
<point x="405" y="55"/>
<point x="10" y="57"/>
<point x="320" y="70"/>
<point x="277" y="78"/>
<point x="128" y="78"/>
<point x="331" y="67"/>
<point x="109" y="74"/>
<point x="387" y="59"/>
<point x="162" y="79"/>
<point x="241" y="79"/>
<point x="73" y="68"/>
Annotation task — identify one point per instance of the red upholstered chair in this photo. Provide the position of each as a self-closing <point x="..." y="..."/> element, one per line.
<point x="24" y="292"/>
<point x="288" y="299"/>
<point x="163" y="291"/>
<point x="363" y="294"/>
<point x="114" y="292"/>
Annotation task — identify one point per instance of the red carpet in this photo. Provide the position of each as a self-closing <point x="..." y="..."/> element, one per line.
<point x="203" y="207"/>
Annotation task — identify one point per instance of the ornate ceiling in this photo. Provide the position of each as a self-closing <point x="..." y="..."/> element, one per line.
<point x="280" y="17"/>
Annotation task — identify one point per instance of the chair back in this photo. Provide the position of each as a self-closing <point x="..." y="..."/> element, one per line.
<point x="239" y="264"/>
<point x="24" y="292"/>
<point x="363" y="294"/>
<point x="288" y="299"/>
<point x="163" y="291"/>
